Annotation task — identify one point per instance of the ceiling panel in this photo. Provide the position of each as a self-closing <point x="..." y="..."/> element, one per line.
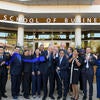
<point x="51" y="2"/>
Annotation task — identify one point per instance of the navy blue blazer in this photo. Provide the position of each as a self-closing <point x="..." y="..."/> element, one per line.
<point x="47" y="64"/>
<point x="64" y="66"/>
<point x="98" y="68"/>
<point x="1" y="60"/>
<point x="98" y="63"/>
<point x="36" y="65"/>
<point x="91" y="62"/>
<point x="16" y="65"/>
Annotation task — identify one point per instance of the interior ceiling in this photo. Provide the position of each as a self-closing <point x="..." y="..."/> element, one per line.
<point x="52" y="2"/>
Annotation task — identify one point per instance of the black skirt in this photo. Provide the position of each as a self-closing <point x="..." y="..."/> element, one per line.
<point x="75" y="76"/>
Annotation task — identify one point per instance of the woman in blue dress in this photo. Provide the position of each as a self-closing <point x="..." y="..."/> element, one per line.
<point x="98" y="75"/>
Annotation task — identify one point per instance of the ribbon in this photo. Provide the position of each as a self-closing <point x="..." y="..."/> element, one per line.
<point x="39" y="59"/>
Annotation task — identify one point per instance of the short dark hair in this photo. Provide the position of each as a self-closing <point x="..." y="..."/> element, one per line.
<point x="1" y="47"/>
<point x="71" y="49"/>
<point x="61" y="50"/>
<point x="78" y="50"/>
<point x="26" y="50"/>
<point x="17" y="47"/>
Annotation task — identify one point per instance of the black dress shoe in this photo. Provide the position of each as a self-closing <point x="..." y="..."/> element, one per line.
<point x="59" y="97"/>
<point x="84" y="98"/>
<point x="20" y="94"/>
<point x="64" y="98"/>
<point x="90" y="98"/>
<point x="44" y="98"/>
<point x="52" y="97"/>
<point x="27" y="97"/>
<point x="15" y="97"/>
<point x="72" y="98"/>
<point x="5" y="96"/>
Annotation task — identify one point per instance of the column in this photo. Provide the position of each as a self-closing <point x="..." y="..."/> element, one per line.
<point x="78" y="19"/>
<point x="78" y="37"/>
<point x="20" y="33"/>
<point x="78" y="40"/>
<point x="20" y="36"/>
<point x="33" y="43"/>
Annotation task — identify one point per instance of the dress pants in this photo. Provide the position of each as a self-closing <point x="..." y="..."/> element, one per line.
<point x="49" y="74"/>
<point x="81" y="80"/>
<point x="87" y="75"/>
<point x="3" y="81"/>
<point x="36" y="84"/>
<point x="26" y="83"/>
<point x="64" y="82"/>
<point x="98" y="82"/>
<point x="0" y="86"/>
<point x="15" y="84"/>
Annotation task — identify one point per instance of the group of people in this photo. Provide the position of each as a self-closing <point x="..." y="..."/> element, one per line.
<point x="62" y="68"/>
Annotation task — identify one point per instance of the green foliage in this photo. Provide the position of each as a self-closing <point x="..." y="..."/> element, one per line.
<point x="98" y="49"/>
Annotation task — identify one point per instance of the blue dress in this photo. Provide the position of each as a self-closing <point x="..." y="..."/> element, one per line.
<point x="98" y="77"/>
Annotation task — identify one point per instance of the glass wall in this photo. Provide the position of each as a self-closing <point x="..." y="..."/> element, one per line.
<point x="91" y="39"/>
<point x="28" y="39"/>
<point x="9" y="38"/>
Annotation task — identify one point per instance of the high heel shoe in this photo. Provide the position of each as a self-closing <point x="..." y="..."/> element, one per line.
<point x="76" y="98"/>
<point x="72" y="98"/>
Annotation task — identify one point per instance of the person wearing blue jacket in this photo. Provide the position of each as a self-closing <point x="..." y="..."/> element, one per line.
<point x="15" y="71"/>
<point x="98" y="76"/>
<point x="36" y="75"/>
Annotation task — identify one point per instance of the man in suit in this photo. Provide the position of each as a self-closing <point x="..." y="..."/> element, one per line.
<point x="2" y="73"/>
<point x="88" y="73"/>
<point x="63" y="47"/>
<point x="5" y="70"/>
<point x="27" y="71"/>
<point x="62" y="69"/>
<point x="15" y="71"/>
<point x="48" y="73"/>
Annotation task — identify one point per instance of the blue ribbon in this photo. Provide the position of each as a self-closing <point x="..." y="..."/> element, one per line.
<point x="39" y="59"/>
<point x="13" y="58"/>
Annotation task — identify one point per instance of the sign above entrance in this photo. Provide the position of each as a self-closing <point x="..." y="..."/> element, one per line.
<point x="48" y="20"/>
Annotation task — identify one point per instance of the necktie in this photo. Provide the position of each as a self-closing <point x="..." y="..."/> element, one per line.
<point x="87" y="64"/>
<point x="49" y="57"/>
